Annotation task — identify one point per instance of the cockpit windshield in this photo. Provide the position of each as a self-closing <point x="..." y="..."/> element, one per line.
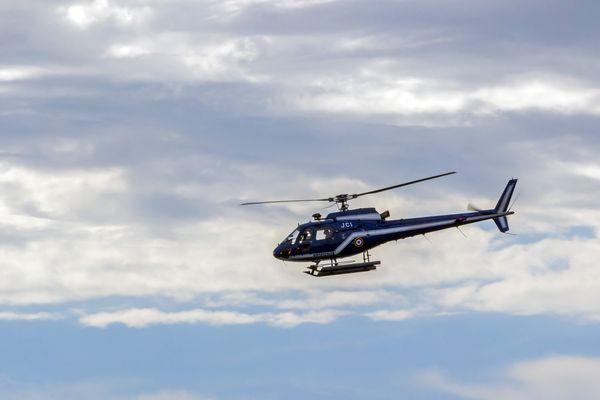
<point x="291" y="238"/>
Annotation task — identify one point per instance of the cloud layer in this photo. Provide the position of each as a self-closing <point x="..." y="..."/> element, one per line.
<point x="132" y="129"/>
<point x="555" y="377"/>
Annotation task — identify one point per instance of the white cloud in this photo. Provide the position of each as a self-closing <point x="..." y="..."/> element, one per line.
<point x="86" y="14"/>
<point x="551" y="276"/>
<point x="183" y="57"/>
<point x="339" y="298"/>
<point x="300" y="3"/>
<point x="550" y="378"/>
<point x="15" y="316"/>
<point x="11" y="389"/>
<point x="308" y="299"/>
<point x="139" y="318"/>
<point x="231" y="8"/>
<point x="171" y="395"/>
<point x="391" y="315"/>
<point x="377" y="94"/>
<point x="127" y="51"/>
<point x="591" y="171"/>
<point x="55" y="194"/>
<point x="16" y="73"/>
<point x="76" y="234"/>
<point x="541" y="94"/>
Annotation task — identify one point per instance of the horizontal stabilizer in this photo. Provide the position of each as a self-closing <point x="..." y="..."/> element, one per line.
<point x="502" y="224"/>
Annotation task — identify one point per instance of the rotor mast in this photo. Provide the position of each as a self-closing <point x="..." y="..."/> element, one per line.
<point x="341" y="200"/>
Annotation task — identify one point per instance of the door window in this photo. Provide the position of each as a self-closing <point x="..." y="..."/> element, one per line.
<point x="324" y="233"/>
<point x="305" y="236"/>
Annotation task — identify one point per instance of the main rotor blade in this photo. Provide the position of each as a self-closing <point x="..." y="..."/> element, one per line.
<point x="282" y="201"/>
<point x="403" y="184"/>
<point x="345" y="197"/>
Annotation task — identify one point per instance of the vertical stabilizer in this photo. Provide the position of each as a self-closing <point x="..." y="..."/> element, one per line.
<point x="502" y="206"/>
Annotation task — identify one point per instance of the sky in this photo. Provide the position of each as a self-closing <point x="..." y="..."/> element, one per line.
<point x="130" y="131"/>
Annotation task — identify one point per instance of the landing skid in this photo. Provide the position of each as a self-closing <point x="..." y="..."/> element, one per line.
<point x="336" y="268"/>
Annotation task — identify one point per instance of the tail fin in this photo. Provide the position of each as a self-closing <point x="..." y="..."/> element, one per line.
<point x="502" y="206"/>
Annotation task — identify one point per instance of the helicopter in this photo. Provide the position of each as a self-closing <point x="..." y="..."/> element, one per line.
<point x="347" y="232"/>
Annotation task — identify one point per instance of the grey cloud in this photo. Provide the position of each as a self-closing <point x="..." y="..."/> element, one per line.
<point x="499" y="32"/>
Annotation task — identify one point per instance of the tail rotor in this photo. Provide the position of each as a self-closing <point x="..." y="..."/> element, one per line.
<point x="473" y="207"/>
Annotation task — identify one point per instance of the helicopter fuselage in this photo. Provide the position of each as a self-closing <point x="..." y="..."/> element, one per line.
<point x="351" y="232"/>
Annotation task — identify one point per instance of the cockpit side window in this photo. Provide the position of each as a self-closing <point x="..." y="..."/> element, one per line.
<point x="292" y="236"/>
<point x="305" y="236"/>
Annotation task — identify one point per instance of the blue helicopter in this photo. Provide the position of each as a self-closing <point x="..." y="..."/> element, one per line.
<point x="348" y="232"/>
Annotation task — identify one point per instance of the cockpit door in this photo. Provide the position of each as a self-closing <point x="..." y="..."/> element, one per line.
<point x="305" y="239"/>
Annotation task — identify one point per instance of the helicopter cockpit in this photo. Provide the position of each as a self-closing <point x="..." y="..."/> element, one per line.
<point x="302" y="238"/>
<point x="307" y="234"/>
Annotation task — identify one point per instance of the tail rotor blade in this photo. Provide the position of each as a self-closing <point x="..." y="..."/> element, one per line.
<point x="473" y="207"/>
<point x="514" y="201"/>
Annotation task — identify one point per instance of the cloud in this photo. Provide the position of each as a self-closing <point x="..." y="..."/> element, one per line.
<point x="56" y="195"/>
<point x="15" y="73"/>
<point x="139" y="318"/>
<point x="118" y="389"/>
<point x="552" y="283"/>
<point x="551" y="378"/>
<point x="591" y="171"/>
<point x="121" y="170"/>
<point x="236" y="6"/>
<point x="171" y="395"/>
<point x="372" y="95"/>
<point x="59" y="249"/>
<point x="339" y="298"/>
<point x="183" y="57"/>
<point x="86" y="14"/>
<point x="16" y="316"/>
<point x="366" y="71"/>
<point x="309" y="298"/>
<point x="391" y="315"/>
